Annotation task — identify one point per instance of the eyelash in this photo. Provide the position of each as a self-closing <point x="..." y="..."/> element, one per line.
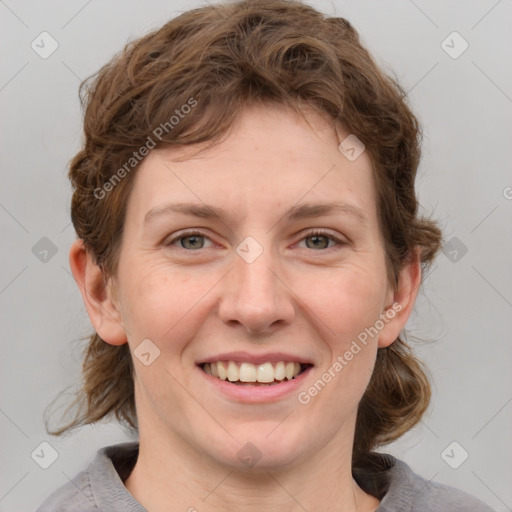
<point x="308" y="234"/>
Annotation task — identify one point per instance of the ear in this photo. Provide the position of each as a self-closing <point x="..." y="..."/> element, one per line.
<point x="401" y="301"/>
<point x="97" y="294"/>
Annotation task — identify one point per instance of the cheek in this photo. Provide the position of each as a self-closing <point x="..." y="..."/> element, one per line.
<point x="346" y="370"/>
<point x="348" y="306"/>
<point x="349" y="300"/>
<point x="163" y="305"/>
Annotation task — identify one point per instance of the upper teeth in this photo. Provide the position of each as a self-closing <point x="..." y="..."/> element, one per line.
<point x="248" y="372"/>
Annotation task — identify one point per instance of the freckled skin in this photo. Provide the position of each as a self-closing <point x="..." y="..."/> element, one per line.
<point x="295" y="298"/>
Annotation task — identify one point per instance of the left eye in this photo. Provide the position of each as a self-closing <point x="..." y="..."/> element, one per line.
<point x="314" y="240"/>
<point x="320" y="240"/>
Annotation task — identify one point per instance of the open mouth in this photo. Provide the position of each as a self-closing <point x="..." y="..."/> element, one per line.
<point x="248" y="374"/>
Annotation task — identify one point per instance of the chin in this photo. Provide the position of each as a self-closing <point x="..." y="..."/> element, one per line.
<point x="255" y="449"/>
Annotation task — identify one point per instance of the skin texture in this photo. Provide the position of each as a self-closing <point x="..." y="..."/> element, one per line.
<point x="304" y="296"/>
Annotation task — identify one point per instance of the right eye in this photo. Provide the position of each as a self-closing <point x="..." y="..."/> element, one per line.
<point x="191" y="240"/>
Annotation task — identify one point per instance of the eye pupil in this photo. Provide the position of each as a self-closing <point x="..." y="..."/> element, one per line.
<point x="197" y="241"/>
<point x="318" y="242"/>
<point x="192" y="242"/>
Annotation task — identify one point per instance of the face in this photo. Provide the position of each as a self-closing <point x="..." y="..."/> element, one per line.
<point x="252" y="268"/>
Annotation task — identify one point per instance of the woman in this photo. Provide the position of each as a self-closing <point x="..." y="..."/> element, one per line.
<point x="249" y="250"/>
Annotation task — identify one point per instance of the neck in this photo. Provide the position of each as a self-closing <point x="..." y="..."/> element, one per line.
<point x="172" y="475"/>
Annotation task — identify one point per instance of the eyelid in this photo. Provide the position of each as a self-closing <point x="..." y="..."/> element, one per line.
<point x="306" y="234"/>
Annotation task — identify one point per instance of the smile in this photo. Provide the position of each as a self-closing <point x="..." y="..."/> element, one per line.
<point x="244" y="373"/>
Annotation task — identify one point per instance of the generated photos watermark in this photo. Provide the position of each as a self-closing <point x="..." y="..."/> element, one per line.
<point x="158" y="133"/>
<point x="304" y="397"/>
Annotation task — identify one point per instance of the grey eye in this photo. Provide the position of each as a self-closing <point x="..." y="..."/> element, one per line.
<point x="317" y="242"/>
<point x="192" y="242"/>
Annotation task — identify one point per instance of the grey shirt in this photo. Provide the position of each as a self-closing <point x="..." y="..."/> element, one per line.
<point x="100" y="488"/>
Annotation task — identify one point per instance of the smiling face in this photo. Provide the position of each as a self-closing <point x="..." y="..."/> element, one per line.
<point x="258" y="260"/>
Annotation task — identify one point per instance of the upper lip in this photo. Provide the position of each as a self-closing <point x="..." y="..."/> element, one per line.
<point x="246" y="357"/>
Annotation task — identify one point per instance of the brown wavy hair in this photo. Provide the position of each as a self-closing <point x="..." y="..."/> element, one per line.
<point x="226" y="57"/>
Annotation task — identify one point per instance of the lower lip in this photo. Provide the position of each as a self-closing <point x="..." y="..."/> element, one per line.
<point x="256" y="394"/>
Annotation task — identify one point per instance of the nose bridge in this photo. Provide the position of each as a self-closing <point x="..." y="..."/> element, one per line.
<point x="254" y="295"/>
<point x="255" y="279"/>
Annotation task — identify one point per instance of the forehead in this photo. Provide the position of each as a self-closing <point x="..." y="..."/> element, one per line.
<point x="271" y="158"/>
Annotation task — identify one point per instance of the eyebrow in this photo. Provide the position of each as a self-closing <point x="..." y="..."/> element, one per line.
<point x="296" y="212"/>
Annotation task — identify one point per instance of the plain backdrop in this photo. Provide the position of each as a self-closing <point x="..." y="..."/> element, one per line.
<point x="464" y="101"/>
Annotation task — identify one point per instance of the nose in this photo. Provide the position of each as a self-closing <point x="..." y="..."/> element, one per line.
<point x="255" y="296"/>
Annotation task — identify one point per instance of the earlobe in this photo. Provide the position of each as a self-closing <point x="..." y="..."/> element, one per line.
<point x="102" y="308"/>
<point x="404" y="297"/>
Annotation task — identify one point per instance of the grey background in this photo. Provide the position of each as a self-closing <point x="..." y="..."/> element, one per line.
<point x="465" y="105"/>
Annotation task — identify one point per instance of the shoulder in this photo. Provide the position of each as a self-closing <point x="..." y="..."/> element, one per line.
<point x="99" y="488"/>
<point x="74" y="496"/>
<point x="437" y="497"/>
<point x="400" y="488"/>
